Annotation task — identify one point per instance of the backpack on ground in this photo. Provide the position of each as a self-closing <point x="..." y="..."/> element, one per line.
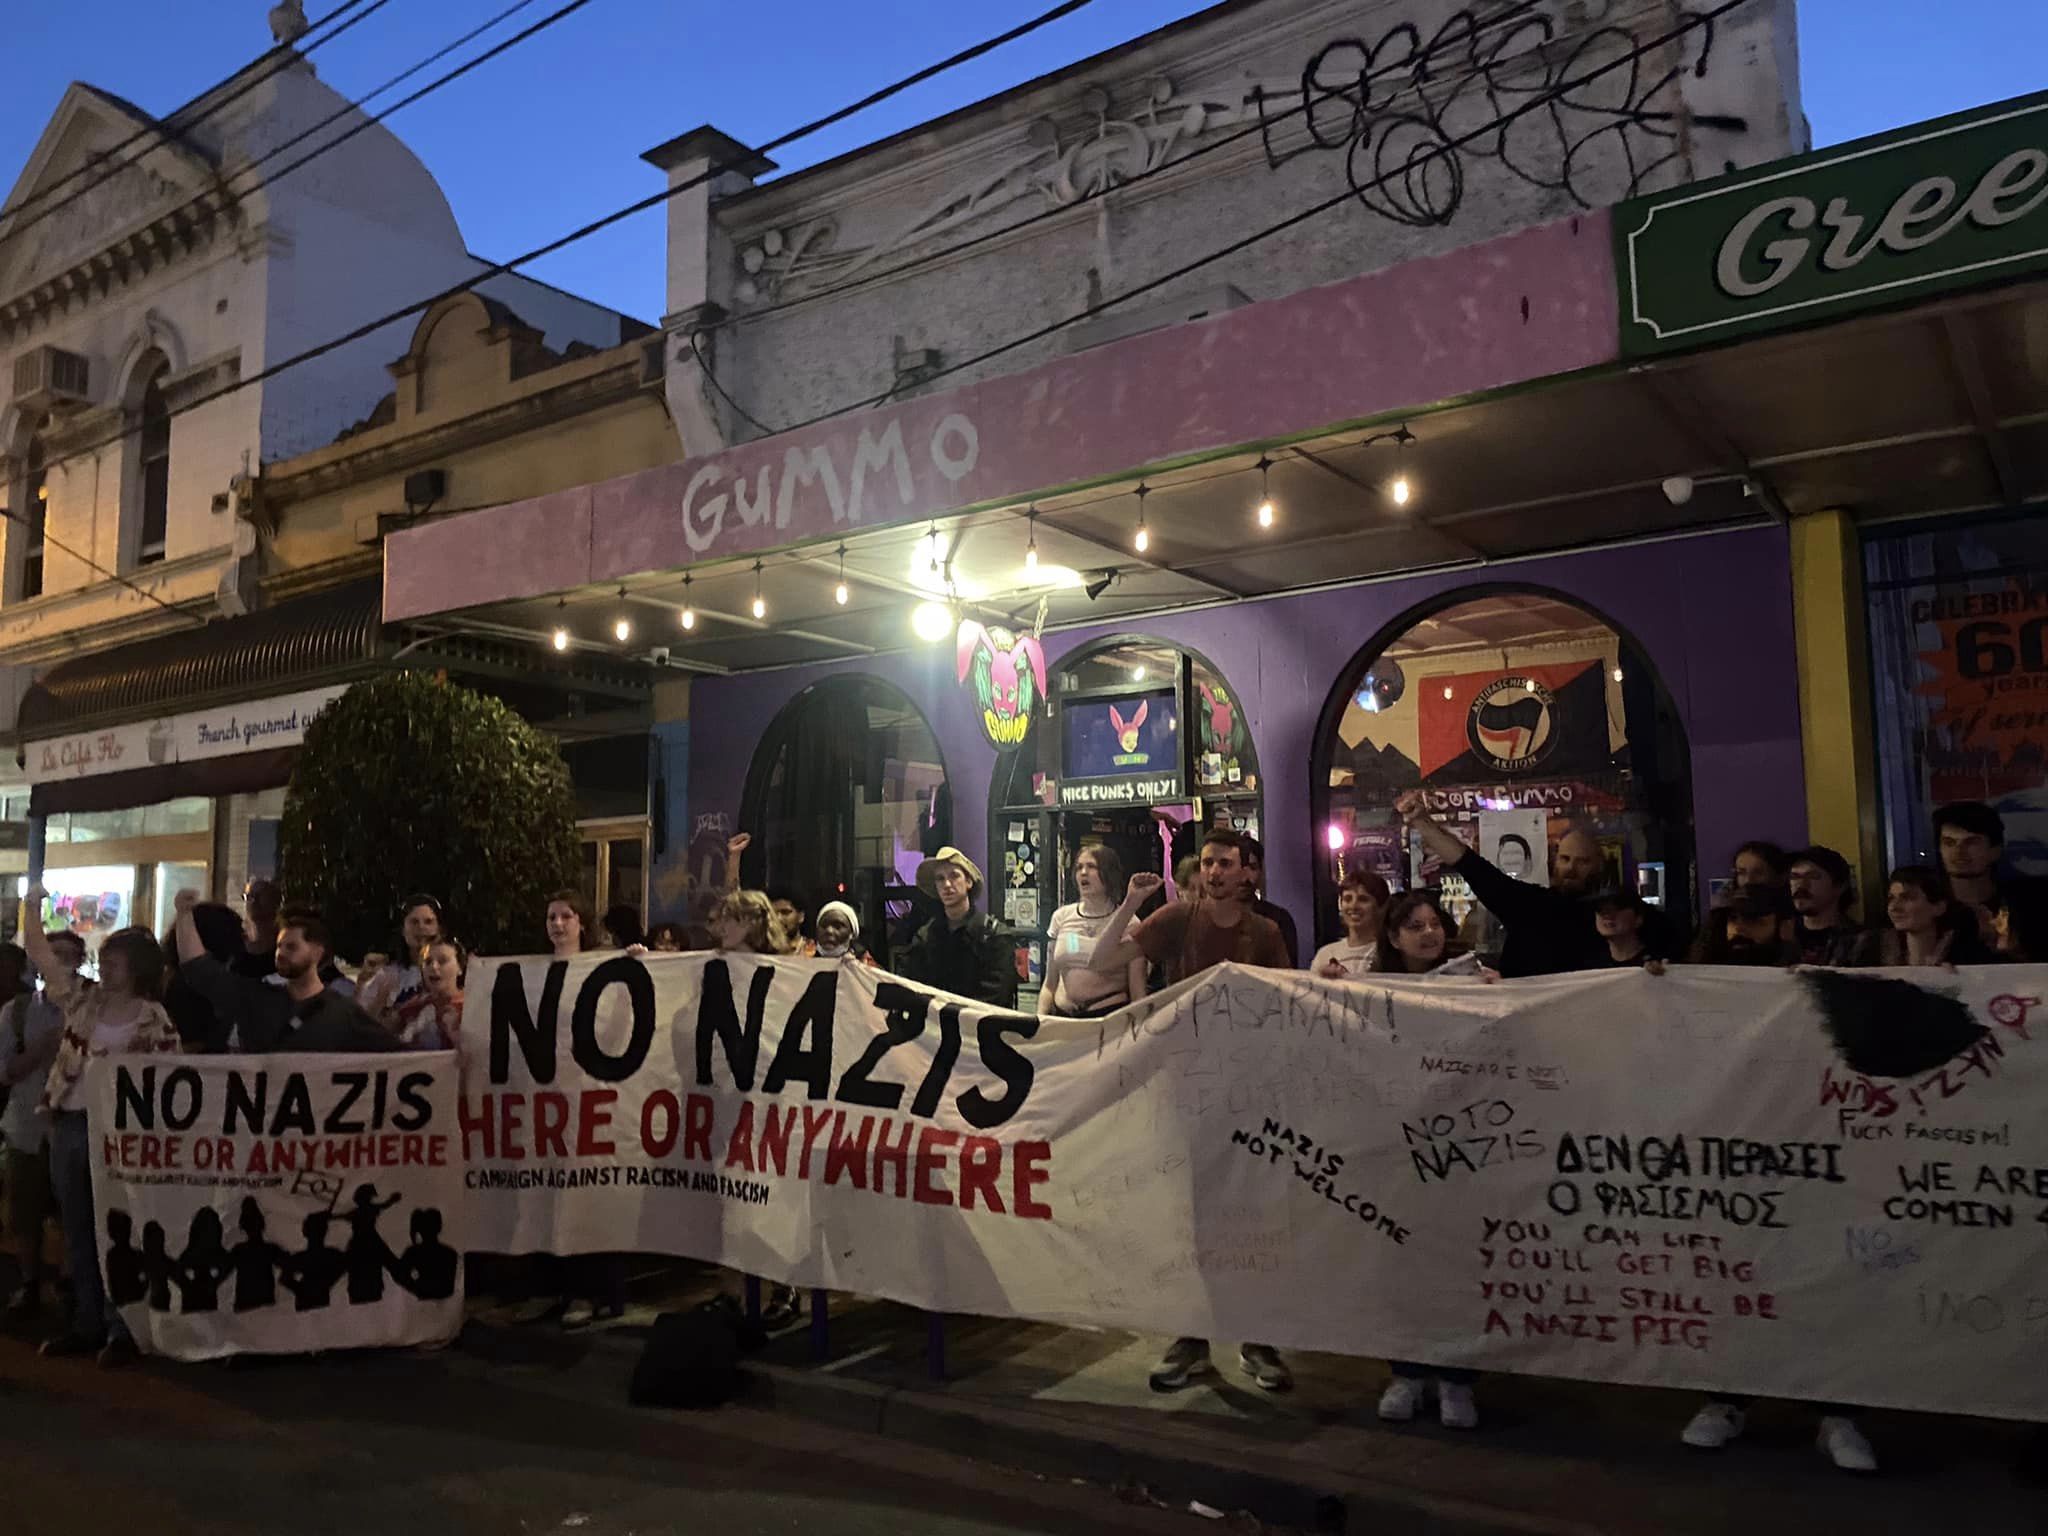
<point x="691" y="1360"/>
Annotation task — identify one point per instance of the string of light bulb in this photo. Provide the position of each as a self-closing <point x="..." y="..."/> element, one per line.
<point x="1265" y="512"/>
<point x="926" y="615"/>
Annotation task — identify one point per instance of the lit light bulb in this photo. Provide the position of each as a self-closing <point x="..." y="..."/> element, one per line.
<point x="1529" y="685"/>
<point x="760" y="606"/>
<point x="624" y="630"/>
<point x="839" y="595"/>
<point x="1447" y="690"/>
<point x="931" y="621"/>
<point x="561" y="639"/>
<point x="1266" y="514"/>
<point x="1335" y="838"/>
<point x="1031" y="558"/>
<point x="688" y="618"/>
<point x="1401" y="490"/>
<point x="1617" y="674"/>
<point x="1142" y="540"/>
<point x="1137" y="674"/>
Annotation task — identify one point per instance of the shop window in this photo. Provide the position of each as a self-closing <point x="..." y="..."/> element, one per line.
<point x="846" y="795"/>
<point x="1140" y="743"/>
<point x="1959" y="664"/>
<point x="153" y="487"/>
<point x="1521" y="715"/>
<point x="91" y="901"/>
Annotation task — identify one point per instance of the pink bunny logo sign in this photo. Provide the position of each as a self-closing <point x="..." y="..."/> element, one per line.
<point x="1008" y="672"/>
<point x="1127" y="735"/>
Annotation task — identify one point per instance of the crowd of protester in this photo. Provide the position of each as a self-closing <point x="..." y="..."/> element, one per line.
<point x="1123" y="938"/>
<point x="268" y="980"/>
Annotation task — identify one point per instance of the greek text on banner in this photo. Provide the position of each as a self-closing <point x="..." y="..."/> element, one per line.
<point x="1829" y="1185"/>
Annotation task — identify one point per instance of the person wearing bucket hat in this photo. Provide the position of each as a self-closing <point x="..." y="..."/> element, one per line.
<point x="960" y="950"/>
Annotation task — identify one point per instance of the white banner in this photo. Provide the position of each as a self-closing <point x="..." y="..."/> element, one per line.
<point x="255" y="725"/>
<point x="1828" y="1185"/>
<point x="279" y="1204"/>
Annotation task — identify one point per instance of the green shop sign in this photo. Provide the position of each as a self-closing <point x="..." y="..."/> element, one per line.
<point x="1952" y="204"/>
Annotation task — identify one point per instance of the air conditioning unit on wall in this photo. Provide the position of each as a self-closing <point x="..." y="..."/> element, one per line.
<point x="47" y="377"/>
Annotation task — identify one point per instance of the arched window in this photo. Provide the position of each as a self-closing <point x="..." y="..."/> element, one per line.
<point x="1521" y="714"/>
<point x="845" y="797"/>
<point x="1135" y="730"/>
<point x="36" y="499"/>
<point x="153" y="482"/>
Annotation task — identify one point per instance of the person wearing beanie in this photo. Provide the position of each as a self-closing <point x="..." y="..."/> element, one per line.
<point x="838" y="932"/>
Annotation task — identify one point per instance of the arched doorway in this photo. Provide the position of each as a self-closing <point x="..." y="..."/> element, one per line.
<point x="1522" y="713"/>
<point x="1141" y="742"/>
<point x="846" y="795"/>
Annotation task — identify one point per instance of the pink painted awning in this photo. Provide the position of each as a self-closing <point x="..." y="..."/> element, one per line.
<point x="1505" y="312"/>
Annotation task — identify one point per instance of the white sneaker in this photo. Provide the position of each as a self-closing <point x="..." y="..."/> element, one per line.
<point x="1455" y="1407"/>
<point x="1843" y="1444"/>
<point x="1714" y="1426"/>
<point x="1403" y="1396"/>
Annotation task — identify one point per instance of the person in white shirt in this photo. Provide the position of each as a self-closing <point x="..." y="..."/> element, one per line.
<point x="1072" y="990"/>
<point x="31" y="1028"/>
<point x="1361" y="900"/>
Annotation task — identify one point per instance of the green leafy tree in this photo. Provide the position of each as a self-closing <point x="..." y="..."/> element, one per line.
<point x="409" y="784"/>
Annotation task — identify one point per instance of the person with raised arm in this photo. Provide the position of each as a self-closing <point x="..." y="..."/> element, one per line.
<point x="1550" y="928"/>
<point x="1071" y="990"/>
<point x="120" y="1016"/>
<point x="1187" y="938"/>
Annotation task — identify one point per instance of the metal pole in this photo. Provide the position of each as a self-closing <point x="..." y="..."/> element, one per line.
<point x="38" y="836"/>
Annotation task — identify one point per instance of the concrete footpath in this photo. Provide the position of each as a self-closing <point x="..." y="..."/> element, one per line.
<point x="1550" y="1456"/>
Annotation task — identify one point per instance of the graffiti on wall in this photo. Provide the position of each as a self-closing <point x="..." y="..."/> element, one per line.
<point x="1594" y="114"/>
<point x="1411" y="113"/>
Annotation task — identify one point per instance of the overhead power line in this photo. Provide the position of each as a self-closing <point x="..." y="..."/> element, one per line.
<point x="18" y="220"/>
<point x="817" y="125"/>
<point x="1406" y="169"/>
<point x="495" y="269"/>
<point x="1414" y="65"/>
<point x="440" y="53"/>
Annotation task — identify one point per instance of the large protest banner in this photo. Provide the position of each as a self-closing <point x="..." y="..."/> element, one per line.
<point x="1828" y="1185"/>
<point x="279" y="1204"/>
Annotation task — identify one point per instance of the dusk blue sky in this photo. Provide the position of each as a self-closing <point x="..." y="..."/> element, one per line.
<point x="550" y="135"/>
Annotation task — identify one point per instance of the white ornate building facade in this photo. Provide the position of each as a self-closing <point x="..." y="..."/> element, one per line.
<point x="152" y="273"/>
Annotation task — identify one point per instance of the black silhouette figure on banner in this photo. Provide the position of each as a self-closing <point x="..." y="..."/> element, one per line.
<point x="127" y="1280"/>
<point x="427" y="1268"/>
<point x="157" y="1265"/>
<point x="369" y="1257"/>
<point x="311" y="1275"/>
<point x="204" y="1263"/>
<point x="256" y="1259"/>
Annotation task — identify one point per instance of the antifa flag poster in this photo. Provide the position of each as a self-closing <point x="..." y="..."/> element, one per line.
<point x="1549" y="721"/>
<point x="279" y="1204"/>
<point x="1823" y="1185"/>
